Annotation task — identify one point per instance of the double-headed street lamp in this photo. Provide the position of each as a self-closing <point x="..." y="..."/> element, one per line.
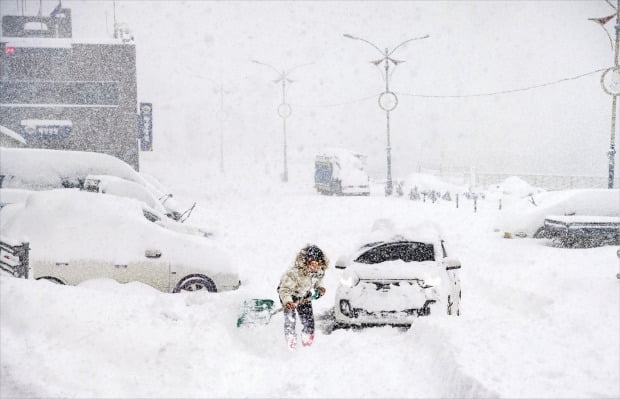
<point x="387" y="100"/>
<point x="284" y="109"/>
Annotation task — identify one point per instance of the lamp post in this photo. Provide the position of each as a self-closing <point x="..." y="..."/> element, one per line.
<point x="616" y="91"/>
<point x="387" y="100"/>
<point x="284" y="109"/>
<point x="610" y="82"/>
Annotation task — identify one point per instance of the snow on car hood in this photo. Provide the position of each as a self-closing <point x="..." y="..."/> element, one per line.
<point x="64" y="225"/>
<point x="396" y="270"/>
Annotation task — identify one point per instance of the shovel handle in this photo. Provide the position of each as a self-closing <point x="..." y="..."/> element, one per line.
<point x="299" y="302"/>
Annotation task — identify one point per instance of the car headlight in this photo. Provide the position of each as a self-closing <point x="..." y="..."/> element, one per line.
<point x="349" y="279"/>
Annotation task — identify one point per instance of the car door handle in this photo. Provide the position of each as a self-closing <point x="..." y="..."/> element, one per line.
<point x="120" y="266"/>
<point x="62" y="263"/>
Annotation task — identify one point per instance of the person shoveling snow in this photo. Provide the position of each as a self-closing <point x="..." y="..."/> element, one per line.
<point x="298" y="285"/>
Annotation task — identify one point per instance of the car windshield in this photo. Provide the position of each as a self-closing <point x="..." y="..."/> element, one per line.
<point x="405" y="251"/>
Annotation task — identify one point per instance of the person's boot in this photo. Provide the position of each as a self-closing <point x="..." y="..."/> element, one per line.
<point x="291" y="342"/>
<point x="307" y="339"/>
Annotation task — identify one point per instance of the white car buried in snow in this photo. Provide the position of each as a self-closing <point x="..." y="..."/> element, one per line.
<point x="43" y="169"/>
<point x="397" y="279"/>
<point x="76" y="236"/>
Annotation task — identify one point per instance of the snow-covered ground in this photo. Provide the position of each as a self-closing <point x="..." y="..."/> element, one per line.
<point x="537" y="320"/>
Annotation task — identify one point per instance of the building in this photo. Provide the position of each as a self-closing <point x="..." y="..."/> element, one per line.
<point x="61" y="93"/>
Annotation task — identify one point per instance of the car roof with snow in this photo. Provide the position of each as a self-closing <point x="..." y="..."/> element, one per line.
<point x="42" y="168"/>
<point x="528" y="215"/>
<point x="89" y="225"/>
<point x="387" y="231"/>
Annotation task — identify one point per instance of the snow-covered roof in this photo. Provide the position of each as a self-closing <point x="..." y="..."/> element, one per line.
<point x="47" y="42"/>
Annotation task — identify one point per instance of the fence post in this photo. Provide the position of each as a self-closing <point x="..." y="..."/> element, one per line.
<point x="24" y="259"/>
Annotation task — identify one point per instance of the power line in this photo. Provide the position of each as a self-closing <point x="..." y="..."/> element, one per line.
<point x="453" y="96"/>
<point x="337" y="104"/>
<point x="504" y="91"/>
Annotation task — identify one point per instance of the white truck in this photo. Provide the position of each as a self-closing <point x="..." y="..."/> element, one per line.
<point x="341" y="172"/>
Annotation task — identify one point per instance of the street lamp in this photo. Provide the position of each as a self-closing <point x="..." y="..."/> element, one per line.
<point x="610" y="82"/>
<point x="387" y="100"/>
<point x="284" y="109"/>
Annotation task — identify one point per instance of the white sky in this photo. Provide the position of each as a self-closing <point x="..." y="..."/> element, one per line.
<point x="474" y="47"/>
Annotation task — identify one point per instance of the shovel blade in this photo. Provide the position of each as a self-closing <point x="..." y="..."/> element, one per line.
<point x="255" y="312"/>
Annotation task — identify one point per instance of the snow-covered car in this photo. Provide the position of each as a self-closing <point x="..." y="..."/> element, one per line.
<point x="77" y="235"/>
<point x="527" y="217"/>
<point x="124" y="188"/>
<point x="397" y="277"/>
<point x="43" y="169"/>
<point x="155" y="214"/>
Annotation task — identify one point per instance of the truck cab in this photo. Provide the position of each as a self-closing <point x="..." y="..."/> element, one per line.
<point x="341" y="172"/>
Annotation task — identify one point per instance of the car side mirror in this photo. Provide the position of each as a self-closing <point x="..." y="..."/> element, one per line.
<point x="452" y="263"/>
<point x="341" y="263"/>
<point x="152" y="253"/>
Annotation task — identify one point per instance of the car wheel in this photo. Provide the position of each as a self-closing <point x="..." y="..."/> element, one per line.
<point x="52" y="280"/>
<point x="540" y="232"/>
<point x="450" y="303"/>
<point x="196" y="283"/>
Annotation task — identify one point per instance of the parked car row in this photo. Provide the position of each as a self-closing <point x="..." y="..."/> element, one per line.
<point x="54" y="200"/>
<point x="86" y="216"/>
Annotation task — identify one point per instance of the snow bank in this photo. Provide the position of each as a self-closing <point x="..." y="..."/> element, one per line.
<point x="514" y="186"/>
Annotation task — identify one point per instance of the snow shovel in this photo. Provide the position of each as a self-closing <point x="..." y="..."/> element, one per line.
<point x="260" y="311"/>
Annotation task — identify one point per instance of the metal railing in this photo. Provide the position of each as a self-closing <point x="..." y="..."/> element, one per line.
<point x="14" y="259"/>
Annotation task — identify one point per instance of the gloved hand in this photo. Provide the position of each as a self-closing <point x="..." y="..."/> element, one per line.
<point x="319" y="292"/>
<point x="290" y="305"/>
